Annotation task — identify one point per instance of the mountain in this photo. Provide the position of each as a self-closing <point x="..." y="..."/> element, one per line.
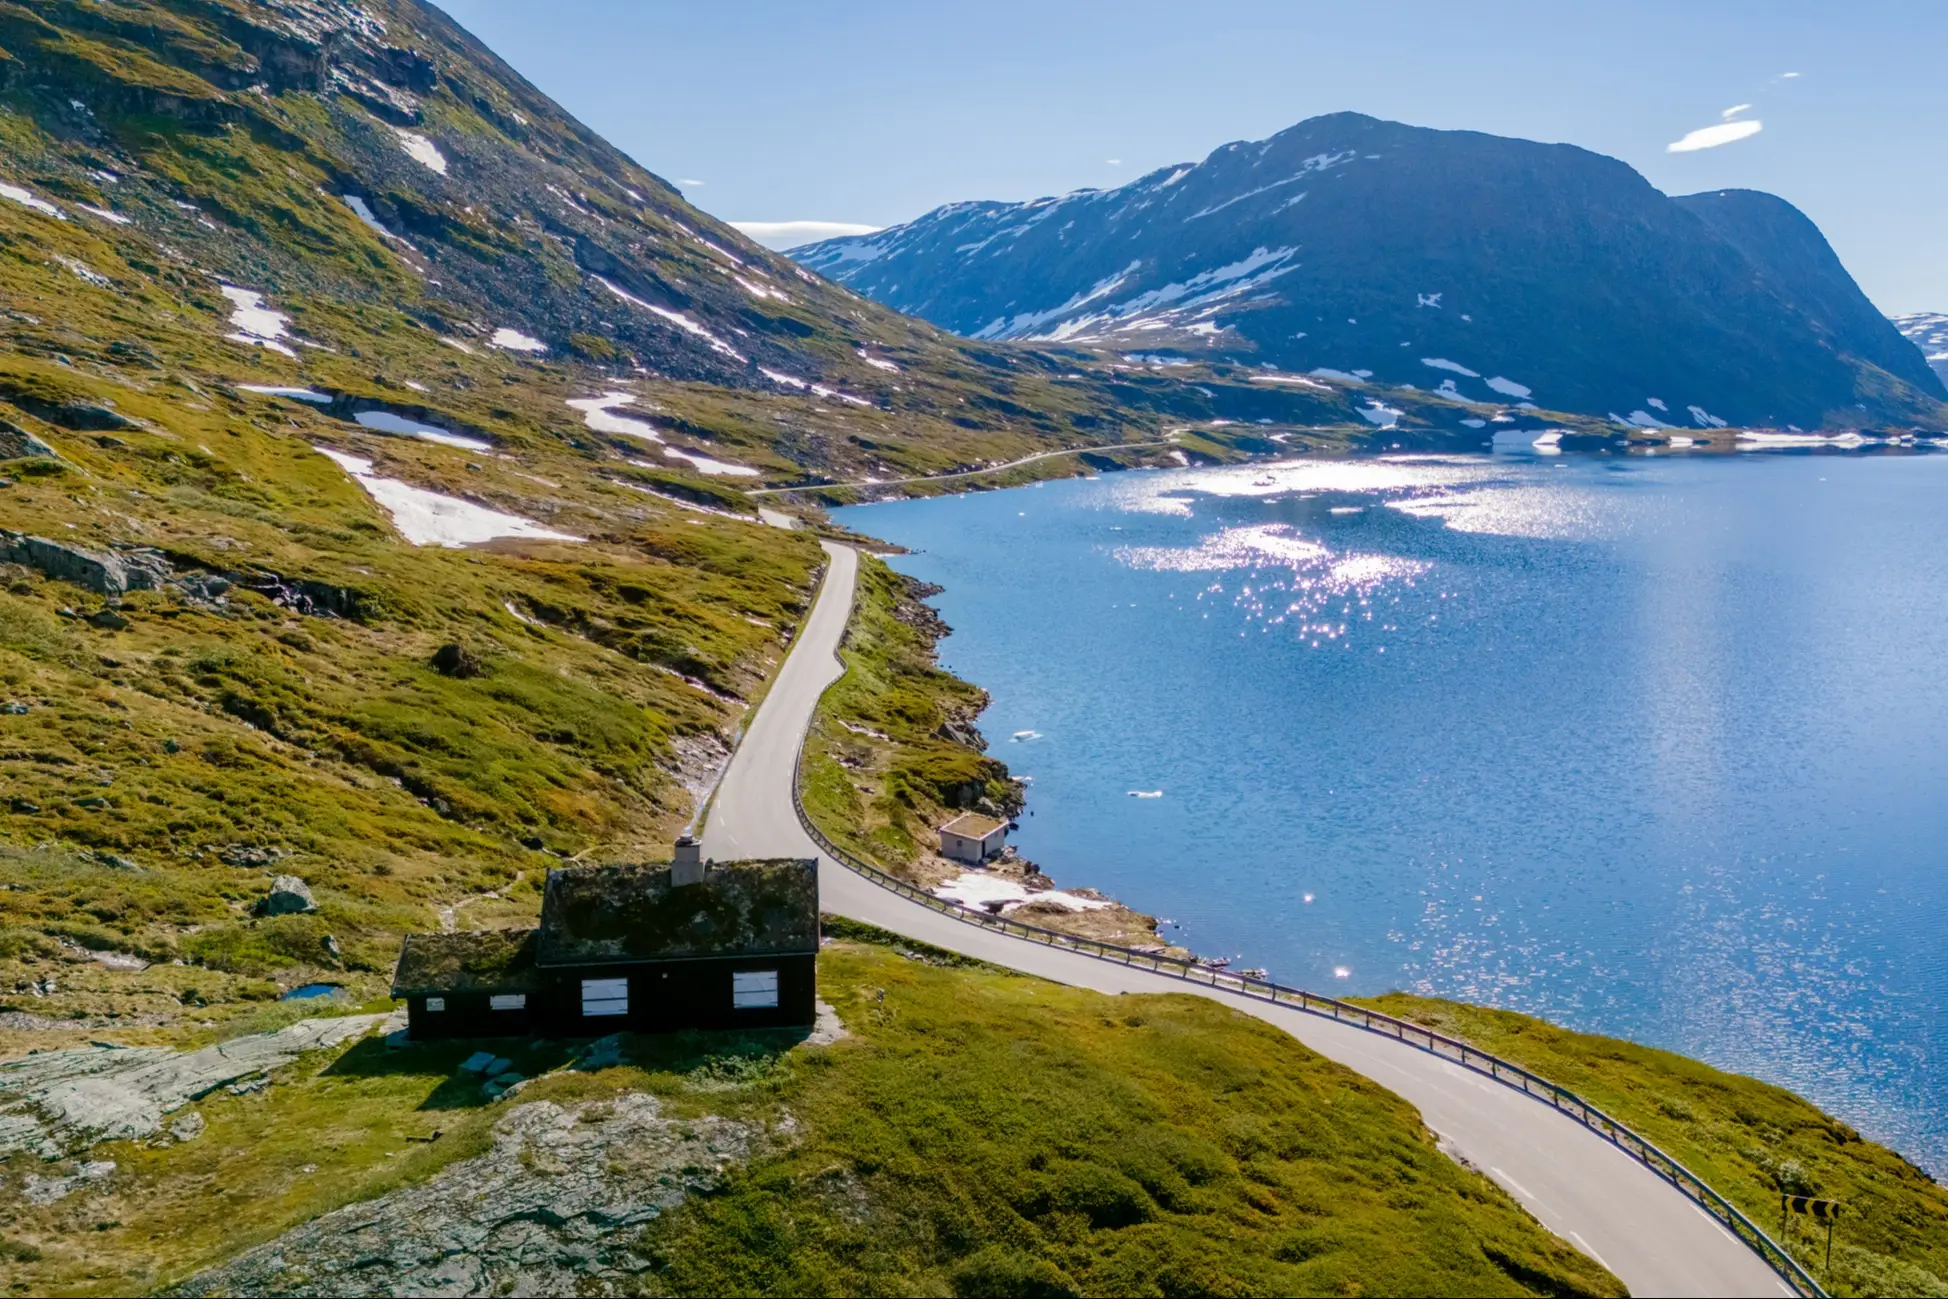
<point x="1928" y="330"/>
<point x="1492" y="268"/>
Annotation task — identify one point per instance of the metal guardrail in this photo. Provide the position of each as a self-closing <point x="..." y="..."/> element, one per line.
<point x="1469" y="1057"/>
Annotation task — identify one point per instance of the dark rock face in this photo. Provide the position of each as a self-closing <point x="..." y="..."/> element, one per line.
<point x="457" y="661"/>
<point x="1493" y="268"/>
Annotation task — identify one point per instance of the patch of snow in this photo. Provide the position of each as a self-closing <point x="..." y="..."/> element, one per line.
<point x="429" y="519"/>
<point x="84" y="272"/>
<point x="457" y="345"/>
<point x="1290" y="378"/>
<point x="513" y="340"/>
<point x="1428" y="300"/>
<point x="816" y="389"/>
<point x="362" y="210"/>
<point x="1380" y="415"/>
<point x="875" y="362"/>
<point x="386" y="422"/>
<point x="760" y="290"/>
<point x="705" y="465"/>
<point x="29" y="200"/>
<point x="977" y="891"/>
<point x="1442" y="363"/>
<point x="114" y="218"/>
<point x="295" y="394"/>
<point x="1749" y="439"/>
<point x="676" y="318"/>
<point x="1656" y="404"/>
<point x="422" y="151"/>
<point x="1344" y="376"/>
<point x="1704" y="418"/>
<point x="257" y="325"/>
<point x="1644" y="419"/>
<point x="599" y="414"/>
<point x="1508" y="387"/>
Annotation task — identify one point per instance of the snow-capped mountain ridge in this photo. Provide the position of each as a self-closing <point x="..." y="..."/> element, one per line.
<point x="1347" y="244"/>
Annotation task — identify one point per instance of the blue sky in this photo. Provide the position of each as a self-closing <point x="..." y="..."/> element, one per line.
<point x="872" y="113"/>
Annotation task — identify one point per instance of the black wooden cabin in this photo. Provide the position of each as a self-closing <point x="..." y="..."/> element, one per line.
<point x="644" y="949"/>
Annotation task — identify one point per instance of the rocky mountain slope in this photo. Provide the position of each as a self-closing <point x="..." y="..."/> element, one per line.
<point x="372" y="438"/>
<point x="1928" y="330"/>
<point x="1490" y="268"/>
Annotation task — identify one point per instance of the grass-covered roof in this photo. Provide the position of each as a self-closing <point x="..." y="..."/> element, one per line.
<point x="632" y="913"/>
<point x="480" y="960"/>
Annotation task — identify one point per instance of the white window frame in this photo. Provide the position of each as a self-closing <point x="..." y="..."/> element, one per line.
<point x="508" y="1001"/>
<point x="754" y="990"/>
<point x="435" y="1004"/>
<point x="604" y="997"/>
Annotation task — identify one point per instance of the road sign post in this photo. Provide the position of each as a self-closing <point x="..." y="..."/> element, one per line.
<point x="1827" y="1211"/>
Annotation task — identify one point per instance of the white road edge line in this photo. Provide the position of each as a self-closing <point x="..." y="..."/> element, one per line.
<point x="1577" y="1236"/>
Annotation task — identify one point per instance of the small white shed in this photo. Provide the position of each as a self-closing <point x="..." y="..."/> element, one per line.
<point x="971" y="837"/>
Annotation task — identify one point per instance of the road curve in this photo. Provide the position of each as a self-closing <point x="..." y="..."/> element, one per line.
<point x="1577" y="1184"/>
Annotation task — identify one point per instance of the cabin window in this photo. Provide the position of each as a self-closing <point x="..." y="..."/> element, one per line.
<point x="605" y="996"/>
<point x="436" y="1003"/>
<point x="508" y="1001"/>
<point x="754" y="989"/>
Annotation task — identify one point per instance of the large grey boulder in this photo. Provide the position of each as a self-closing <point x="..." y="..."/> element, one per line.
<point x="289" y="895"/>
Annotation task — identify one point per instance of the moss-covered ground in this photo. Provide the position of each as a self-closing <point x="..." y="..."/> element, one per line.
<point x="1749" y="1139"/>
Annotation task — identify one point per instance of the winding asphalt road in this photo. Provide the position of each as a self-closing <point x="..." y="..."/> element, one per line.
<point x="1577" y="1184"/>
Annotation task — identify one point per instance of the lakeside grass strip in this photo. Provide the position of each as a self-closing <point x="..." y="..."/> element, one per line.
<point x="1750" y="1139"/>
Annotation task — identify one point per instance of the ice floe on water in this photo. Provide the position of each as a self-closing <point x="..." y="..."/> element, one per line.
<point x="429" y="519"/>
<point x="256" y="324"/>
<point x="422" y="151"/>
<point x="706" y="465"/>
<point x="676" y="318"/>
<point x="113" y="218"/>
<point x="981" y="892"/>
<point x="513" y="340"/>
<point x="28" y="199"/>
<point x="1146" y="793"/>
<point x="1508" y="387"/>
<point x="1442" y="363"/>
<point x="599" y="414"/>
<point x="384" y="421"/>
<point x="295" y="394"/>
<point x="1758" y="440"/>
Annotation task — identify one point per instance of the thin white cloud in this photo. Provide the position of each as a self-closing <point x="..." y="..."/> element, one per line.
<point x="693" y="184"/>
<point x="1735" y="110"/>
<point x="789" y="234"/>
<point x="1787" y="76"/>
<point x="1114" y="162"/>
<point x="1710" y="137"/>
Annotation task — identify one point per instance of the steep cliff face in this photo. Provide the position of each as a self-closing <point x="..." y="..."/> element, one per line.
<point x="1488" y="267"/>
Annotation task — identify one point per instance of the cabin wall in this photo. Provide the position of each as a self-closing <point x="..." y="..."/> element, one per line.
<point x="666" y="996"/>
<point x="467" y="1014"/>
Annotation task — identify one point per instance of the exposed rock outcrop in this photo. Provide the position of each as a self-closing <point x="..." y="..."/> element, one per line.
<point x="554" y="1208"/>
<point x="59" y="1101"/>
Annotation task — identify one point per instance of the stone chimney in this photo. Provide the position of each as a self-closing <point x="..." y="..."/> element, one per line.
<point x="687" y="866"/>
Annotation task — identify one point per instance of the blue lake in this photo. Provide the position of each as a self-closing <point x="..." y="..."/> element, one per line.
<point x="1651" y="746"/>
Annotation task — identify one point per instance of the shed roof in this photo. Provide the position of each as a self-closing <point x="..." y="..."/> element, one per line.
<point x="479" y="960"/>
<point x="595" y="914"/>
<point x="973" y="825"/>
